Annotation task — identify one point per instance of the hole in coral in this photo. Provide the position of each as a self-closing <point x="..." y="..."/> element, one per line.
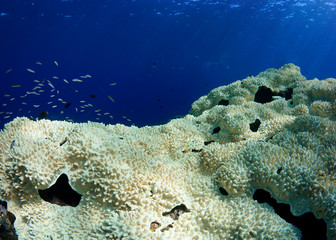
<point x="216" y="130"/>
<point x="309" y="225"/>
<point x="61" y="193"/>
<point x="208" y="142"/>
<point x="154" y="225"/>
<point x="291" y="102"/>
<point x="3" y="203"/>
<point x="287" y="94"/>
<point x="177" y="211"/>
<point x="223" y="191"/>
<point x="263" y="95"/>
<point x="279" y="170"/>
<point x="223" y="102"/>
<point x="254" y="126"/>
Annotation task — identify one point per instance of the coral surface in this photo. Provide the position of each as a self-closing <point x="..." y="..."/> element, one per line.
<point x="192" y="178"/>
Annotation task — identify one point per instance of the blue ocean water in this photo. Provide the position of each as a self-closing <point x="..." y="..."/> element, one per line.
<point x="153" y="57"/>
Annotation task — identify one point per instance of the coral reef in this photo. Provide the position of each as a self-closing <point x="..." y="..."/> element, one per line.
<point x="7" y="219"/>
<point x="192" y="178"/>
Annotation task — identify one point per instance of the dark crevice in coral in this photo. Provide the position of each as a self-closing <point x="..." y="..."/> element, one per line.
<point x="223" y="102"/>
<point x="223" y="191"/>
<point x="255" y="126"/>
<point x="279" y="170"/>
<point x="177" y="211"/>
<point x="167" y="227"/>
<point x="7" y="219"/>
<point x="216" y="130"/>
<point x="61" y="193"/>
<point x="64" y="141"/>
<point x="287" y="94"/>
<point x="196" y="150"/>
<point x="307" y="223"/>
<point x="265" y="94"/>
<point x="208" y="142"/>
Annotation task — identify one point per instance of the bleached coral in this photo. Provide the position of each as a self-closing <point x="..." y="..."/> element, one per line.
<point x="133" y="181"/>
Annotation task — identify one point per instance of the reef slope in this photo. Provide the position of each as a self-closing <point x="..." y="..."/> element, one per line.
<point x="192" y="178"/>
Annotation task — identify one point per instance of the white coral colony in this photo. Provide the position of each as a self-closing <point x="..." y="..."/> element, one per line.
<point x="192" y="178"/>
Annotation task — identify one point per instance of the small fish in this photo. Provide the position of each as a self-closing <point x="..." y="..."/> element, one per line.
<point x="9" y="113"/>
<point x="90" y="105"/>
<point x="61" y="112"/>
<point x="67" y="105"/>
<point x="55" y="77"/>
<point x="82" y="101"/>
<point x="38" y="63"/>
<point x="55" y="106"/>
<point x="4" y="105"/>
<point x="93" y="96"/>
<point x="50" y="84"/>
<point x="107" y="113"/>
<point x="49" y="102"/>
<point x="60" y="99"/>
<point x="24" y="103"/>
<point x="66" y="81"/>
<point x="16" y="85"/>
<point x="43" y="115"/>
<point x="6" y="116"/>
<point x="82" y="110"/>
<point x="56" y="63"/>
<point x="36" y="106"/>
<point x="9" y="70"/>
<point x="30" y="70"/>
<point x="2" y="112"/>
<point x="37" y="87"/>
<point x="37" y="81"/>
<point x="35" y="93"/>
<point x="98" y="114"/>
<point x="12" y="99"/>
<point x="113" y="84"/>
<point x="88" y="76"/>
<point x="7" y="95"/>
<point x="76" y="109"/>
<point x="98" y="110"/>
<point x="111" y="98"/>
<point x="41" y="90"/>
<point x="77" y="80"/>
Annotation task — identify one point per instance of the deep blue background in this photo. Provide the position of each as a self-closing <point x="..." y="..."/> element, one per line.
<point x="163" y="55"/>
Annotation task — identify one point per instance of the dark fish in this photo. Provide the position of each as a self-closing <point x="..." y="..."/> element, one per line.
<point x="93" y="96"/>
<point x="43" y="115"/>
<point x="67" y="105"/>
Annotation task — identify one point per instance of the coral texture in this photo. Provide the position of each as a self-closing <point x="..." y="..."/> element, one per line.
<point x="164" y="182"/>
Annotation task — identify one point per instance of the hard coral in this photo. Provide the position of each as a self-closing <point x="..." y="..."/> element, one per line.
<point x="206" y="165"/>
